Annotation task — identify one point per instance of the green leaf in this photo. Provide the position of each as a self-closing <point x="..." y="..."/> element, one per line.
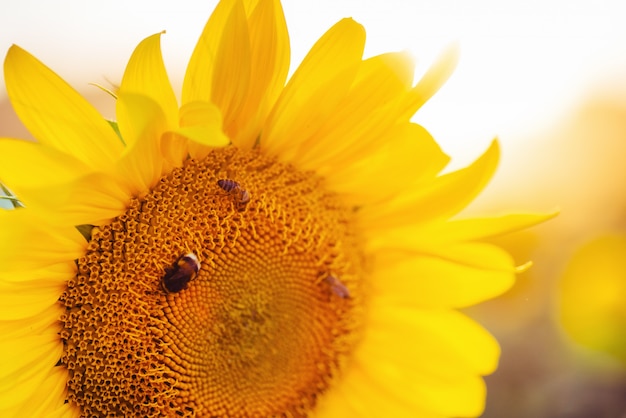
<point x="117" y="130"/>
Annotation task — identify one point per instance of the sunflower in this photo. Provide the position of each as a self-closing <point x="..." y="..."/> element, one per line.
<point x="265" y="248"/>
<point x="591" y="306"/>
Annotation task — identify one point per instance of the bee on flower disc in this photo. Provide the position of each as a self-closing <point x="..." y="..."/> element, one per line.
<point x="242" y="196"/>
<point x="337" y="287"/>
<point x="178" y="276"/>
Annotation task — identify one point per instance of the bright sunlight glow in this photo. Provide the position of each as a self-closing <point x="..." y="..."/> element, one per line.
<point x="522" y="64"/>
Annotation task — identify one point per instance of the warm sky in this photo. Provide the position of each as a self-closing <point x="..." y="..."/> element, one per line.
<point x="523" y="63"/>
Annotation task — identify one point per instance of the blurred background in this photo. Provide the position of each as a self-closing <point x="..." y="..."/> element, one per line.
<point x="548" y="78"/>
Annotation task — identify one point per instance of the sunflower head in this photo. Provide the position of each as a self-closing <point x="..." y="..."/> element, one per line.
<point x="262" y="247"/>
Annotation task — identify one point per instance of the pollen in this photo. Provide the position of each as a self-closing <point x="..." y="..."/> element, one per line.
<point x="261" y="330"/>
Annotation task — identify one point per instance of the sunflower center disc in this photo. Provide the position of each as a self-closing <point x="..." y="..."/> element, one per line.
<point x="262" y="330"/>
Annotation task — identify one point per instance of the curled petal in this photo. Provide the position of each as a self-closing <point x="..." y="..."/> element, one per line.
<point x="201" y="123"/>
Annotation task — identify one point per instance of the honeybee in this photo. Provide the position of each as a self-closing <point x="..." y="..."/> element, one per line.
<point x="337" y="287"/>
<point x="178" y="276"/>
<point x="241" y="195"/>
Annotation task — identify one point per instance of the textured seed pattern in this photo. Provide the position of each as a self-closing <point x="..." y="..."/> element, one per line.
<point x="259" y="332"/>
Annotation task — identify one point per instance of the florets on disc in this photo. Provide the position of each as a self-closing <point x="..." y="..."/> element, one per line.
<point x="264" y="328"/>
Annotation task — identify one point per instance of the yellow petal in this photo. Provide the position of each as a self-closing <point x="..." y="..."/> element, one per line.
<point x="456" y="344"/>
<point x="24" y="361"/>
<point x="472" y="254"/>
<point x="432" y="394"/>
<point x="393" y="69"/>
<point x="316" y="88"/>
<point x="479" y="228"/>
<point x="389" y="372"/>
<point x="47" y="398"/>
<point x="359" y="395"/>
<point x="203" y="139"/>
<point x="200" y="114"/>
<point x="142" y="123"/>
<point x="269" y="65"/>
<point x="29" y="298"/>
<point x="96" y="199"/>
<point x="269" y="41"/>
<point x="145" y="75"/>
<point x="28" y="165"/>
<point x="231" y="73"/>
<point x="409" y="154"/>
<point x="198" y="82"/>
<point x="92" y="199"/>
<point x="200" y="122"/>
<point x="365" y="116"/>
<point x="28" y="242"/>
<point x="439" y="199"/>
<point x="438" y="234"/>
<point x="56" y="114"/>
<point x="427" y="282"/>
<point x="174" y="149"/>
<point x="435" y="77"/>
<point x="43" y="322"/>
<point x="47" y="276"/>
